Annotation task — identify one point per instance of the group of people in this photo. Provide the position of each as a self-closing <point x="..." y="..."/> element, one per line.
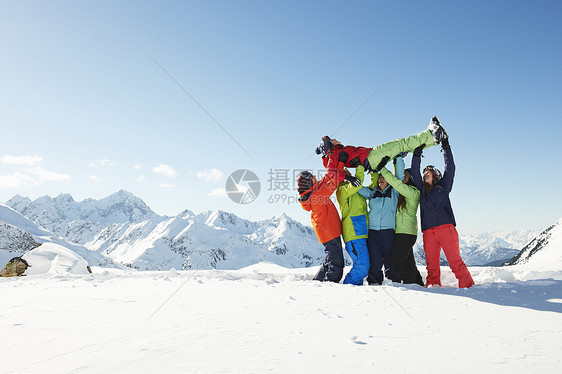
<point x="379" y="223"/>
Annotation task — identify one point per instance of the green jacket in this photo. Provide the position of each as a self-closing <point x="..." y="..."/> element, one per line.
<point x="406" y="218"/>
<point x="354" y="217"/>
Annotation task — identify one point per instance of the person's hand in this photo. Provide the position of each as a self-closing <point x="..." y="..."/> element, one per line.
<point x="383" y="163"/>
<point x="401" y="154"/>
<point x="419" y="150"/>
<point x="353" y="180"/>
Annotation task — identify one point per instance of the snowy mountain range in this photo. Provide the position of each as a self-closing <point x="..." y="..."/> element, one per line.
<point x="124" y="230"/>
<point x="484" y="249"/>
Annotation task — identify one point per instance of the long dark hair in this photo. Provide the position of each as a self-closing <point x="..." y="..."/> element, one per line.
<point x="401" y="198"/>
<point x="427" y="187"/>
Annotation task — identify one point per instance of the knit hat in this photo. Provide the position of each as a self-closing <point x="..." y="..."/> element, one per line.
<point x="304" y="181"/>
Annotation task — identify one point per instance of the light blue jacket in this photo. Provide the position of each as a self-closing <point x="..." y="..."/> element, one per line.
<point x="382" y="204"/>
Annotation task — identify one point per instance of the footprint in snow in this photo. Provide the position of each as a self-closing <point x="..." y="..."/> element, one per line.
<point x="354" y="340"/>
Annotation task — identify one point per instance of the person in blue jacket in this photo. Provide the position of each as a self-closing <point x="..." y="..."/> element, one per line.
<point x="383" y="199"/>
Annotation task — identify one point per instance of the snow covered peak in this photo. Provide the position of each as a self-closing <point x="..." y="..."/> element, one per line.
<point x="120" y="207"/>
<point x="122" y="196"/>
<point x="18" y="200"/>
<point x="221" y="219"/>
<point x="283" y="218"/>
<point x="544" y="252"/>
<point x="186" y="214"/>
<point x="283" y="223"/>
<point x="64" y="198"/>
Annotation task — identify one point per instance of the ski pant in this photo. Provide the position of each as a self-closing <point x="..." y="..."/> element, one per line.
<point x="379" y="243"/>
<point x="397" y="146"/>
<point x="404" y="269"/>
<point x="357" y="250"/>
<point x="331" y="269"/>
<point x="444" y="236"/>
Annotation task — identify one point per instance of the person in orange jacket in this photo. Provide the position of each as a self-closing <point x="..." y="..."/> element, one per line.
<point x="315" y="198"/>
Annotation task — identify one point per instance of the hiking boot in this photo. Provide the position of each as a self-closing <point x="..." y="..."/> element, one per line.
<point x="437" y="131"/>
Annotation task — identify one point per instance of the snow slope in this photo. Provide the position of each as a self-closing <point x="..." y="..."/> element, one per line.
<point x="543" y="252"/>
<point x="122" y="228"/>
<point x="267" y="319"/>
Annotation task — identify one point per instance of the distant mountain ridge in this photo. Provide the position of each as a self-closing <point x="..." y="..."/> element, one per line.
<point x="124" y="229"/>
<point x="484" y="249"/>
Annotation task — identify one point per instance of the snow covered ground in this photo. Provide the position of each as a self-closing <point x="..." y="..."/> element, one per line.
<point x="268" y="319"/>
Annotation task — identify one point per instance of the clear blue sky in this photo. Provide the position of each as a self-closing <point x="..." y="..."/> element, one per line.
<point x="86" y="110"/>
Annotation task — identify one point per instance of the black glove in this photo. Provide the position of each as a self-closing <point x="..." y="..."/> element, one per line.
<point x="325" y="146"/>
<point x="418" y="151"/>
<point x="383" y="163"/>
<point x="343" y="156"/>
<point x="353" y="163"/>
<point x="353" y="180"/>
<point x="445" y="144"/>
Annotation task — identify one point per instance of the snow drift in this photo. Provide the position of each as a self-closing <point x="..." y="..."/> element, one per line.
<point x="50" y="258"/>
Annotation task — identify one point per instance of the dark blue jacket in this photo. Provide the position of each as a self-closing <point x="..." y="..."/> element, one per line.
<point x="435" y="206"/>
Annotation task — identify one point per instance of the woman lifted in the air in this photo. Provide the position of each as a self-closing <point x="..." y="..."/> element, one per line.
<point x="374" y="159"/>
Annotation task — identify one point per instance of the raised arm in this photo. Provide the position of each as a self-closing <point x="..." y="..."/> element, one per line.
<point x="335" y="168"/>
<point x="403" y="189"/>
<point x="415" y="168"/>
<point x="449" y="173"/>
<point x="349" y="189"/>
<point x="399" y="167"/>
<point x="332" y="178"/>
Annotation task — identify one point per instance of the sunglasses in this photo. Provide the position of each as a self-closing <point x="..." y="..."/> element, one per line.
<point x="429" y="167"/>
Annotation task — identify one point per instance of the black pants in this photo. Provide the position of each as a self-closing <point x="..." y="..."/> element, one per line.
<point x="404" y="268"/>
<point x="379" y="243"/>
<point x="331" y="269"/>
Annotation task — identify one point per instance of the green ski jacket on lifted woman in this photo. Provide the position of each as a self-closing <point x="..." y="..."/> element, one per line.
<point x="406" y="218"/>
<point x="353" y="207"/>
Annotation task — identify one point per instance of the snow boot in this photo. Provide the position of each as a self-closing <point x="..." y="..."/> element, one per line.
<point x="437" y="131"/>
<point x="325" y="146"/>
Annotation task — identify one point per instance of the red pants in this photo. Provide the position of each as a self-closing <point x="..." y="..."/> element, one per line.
<point x="445" y="236"/>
